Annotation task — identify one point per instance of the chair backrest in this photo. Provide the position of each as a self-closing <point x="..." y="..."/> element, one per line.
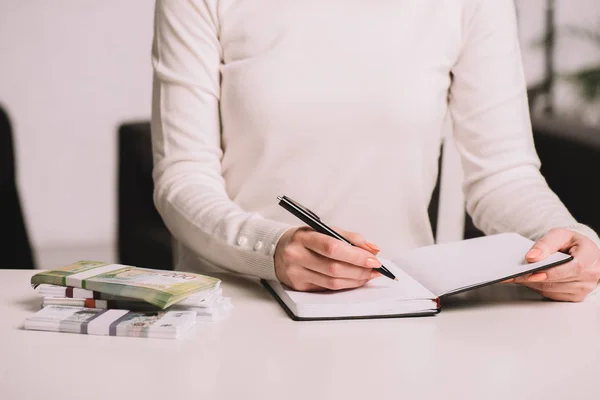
<point x="570" y="156"/>
<point x="14" y="245"/>
<point x="143" y="239"/>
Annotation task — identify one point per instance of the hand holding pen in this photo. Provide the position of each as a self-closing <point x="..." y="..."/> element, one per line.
<point x="320" y="258"/>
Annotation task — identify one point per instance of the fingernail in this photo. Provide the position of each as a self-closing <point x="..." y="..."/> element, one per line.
<point x="533" y="253"/>
<point x="537" y="277"/>
<point x="511" y="280"/>
<point x="372" y="246"/>
<point x="372" y="263"/>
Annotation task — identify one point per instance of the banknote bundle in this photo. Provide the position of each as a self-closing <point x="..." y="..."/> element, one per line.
<point x="94" y="321"/>
<point x="158" y="287"/>
<point x="209" y="305"/>
<point x="98" y="298"/>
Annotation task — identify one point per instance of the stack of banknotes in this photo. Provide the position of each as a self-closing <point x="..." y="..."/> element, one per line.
<point x="98" y="298"/>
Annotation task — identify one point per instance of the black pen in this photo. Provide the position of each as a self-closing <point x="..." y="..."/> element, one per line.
<point x="313" y="220"/>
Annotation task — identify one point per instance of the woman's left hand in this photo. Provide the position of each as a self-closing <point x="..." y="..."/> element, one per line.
<point x="571" y="281"/>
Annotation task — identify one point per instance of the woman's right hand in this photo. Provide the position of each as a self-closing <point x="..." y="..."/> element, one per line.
<point x="306" y="260"/>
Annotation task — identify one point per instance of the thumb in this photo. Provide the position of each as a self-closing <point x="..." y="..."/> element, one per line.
<point x="555" y="240"/>
<point x="358" y="240"/>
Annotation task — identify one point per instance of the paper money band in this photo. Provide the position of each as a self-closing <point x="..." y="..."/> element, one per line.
<point x="78" y="280"/>
<point x="94" y="303"/>
<point x="102" y="324"/>
<point x="78" y="293"/>
<point x="84" y="324"/>
<point x="112" y="329"/>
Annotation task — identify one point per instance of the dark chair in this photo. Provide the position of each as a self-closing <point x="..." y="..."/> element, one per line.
<point x="143" y="239"/>
<point x="14" y="246"/>
<point x="570" y="156"/>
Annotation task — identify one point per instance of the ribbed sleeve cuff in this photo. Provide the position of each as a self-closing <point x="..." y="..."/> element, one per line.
<point x="256" y="243"/>
<point x="586" y="231"/>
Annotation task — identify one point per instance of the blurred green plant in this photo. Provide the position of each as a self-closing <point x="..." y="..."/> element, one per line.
<point x="587" y="80"/>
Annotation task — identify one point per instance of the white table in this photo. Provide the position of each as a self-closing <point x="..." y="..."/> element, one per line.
<point x="500" y="342"/>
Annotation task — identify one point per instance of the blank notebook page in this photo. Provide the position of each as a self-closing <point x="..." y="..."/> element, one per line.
<point x="449" y="267"/>
<point x="381" y="295"/>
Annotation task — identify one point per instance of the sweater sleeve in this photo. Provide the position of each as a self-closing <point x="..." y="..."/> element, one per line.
<point x="503" y="186"/>
<point x="190" y="192"/>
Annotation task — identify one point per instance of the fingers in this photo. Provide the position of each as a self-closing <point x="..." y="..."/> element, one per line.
<point x="562" y="291"/>
<point x="582" y="267"/>
<point x="313" y="281"/>
<point x="307" y="261"/>
<point x="335" y="269"/>
<point x="338" y="250"/>
<point x="585" y="255"/>
<point x="358" y="240"/>
<point x="562" y="273"/>
<point x="573" y="298"/>
<point x="535" y="277"/>
<point x="555" y="240"/>
<point x="553" y="287"/>
<point x="572" y="281"/>
<point x="374" y="248"/>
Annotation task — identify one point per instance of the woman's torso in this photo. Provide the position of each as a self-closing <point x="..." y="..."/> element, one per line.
<point x="339" y="104"/>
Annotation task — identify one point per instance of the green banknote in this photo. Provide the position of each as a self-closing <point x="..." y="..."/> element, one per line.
<point x="158" y="287"/>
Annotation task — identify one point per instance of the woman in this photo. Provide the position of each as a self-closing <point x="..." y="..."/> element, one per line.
<point x="340" y="104"/>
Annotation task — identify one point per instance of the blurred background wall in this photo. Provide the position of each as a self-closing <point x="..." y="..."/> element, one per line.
<point x="72" y="71"/>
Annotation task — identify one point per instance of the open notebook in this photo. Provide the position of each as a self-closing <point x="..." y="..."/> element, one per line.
<point x="424" y="275"/>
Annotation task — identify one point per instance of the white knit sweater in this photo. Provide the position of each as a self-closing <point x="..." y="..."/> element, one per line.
<point x="340" y="105"/>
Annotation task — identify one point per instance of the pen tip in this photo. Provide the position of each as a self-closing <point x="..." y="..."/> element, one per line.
<point x="395" y="279"/>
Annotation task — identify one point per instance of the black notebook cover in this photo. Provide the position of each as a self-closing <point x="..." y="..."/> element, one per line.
<point x="296" y="318"/>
